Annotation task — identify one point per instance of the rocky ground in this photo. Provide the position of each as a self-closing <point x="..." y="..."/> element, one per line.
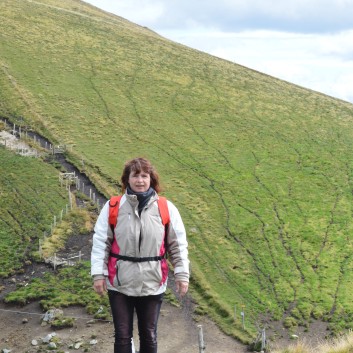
<point x="177" y="333"/>
<point x="20" y="329"/>
<point x="177" y="330"/>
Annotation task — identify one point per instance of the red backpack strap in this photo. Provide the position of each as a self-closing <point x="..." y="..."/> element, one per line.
<point x="163" y="210"/>
<point x="114" y="210"/>
<point x="164" y="213"/>
<point x="113" y="218"/>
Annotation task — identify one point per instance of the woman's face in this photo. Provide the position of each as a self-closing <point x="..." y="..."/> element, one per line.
<point x="139" y="182"/>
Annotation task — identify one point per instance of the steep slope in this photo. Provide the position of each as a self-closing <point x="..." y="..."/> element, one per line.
<point x="260" y="169"/>
<point x="30" y="197"/>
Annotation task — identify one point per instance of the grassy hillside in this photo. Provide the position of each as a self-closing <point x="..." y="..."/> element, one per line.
<point x="260" y="169"/>
<point x="30" y="197"/>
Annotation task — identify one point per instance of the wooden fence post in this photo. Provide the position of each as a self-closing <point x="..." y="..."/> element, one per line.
<point x="54" y="262"/>
<point x="70" y="199"/>
<point x="243" y="319"/>
<point x="132" y="346"/>
<point x="263" y="340"/>
<point x="40" y="248"/>
<point x="201" y="342"/>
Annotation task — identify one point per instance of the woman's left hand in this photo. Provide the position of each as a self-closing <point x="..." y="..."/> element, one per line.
<point x="181" y="287"/>
<point x="100" y="286"/>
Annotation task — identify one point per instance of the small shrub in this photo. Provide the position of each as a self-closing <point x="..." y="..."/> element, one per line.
<point x="296" y="313"/>
<point x="318" y="312"/>
<point x="171" y="298"/>
<point x="305" y="309"/>
<point x="63" y="322"/>
<point x="200" y="310"/>
<point x="290" y="322"/>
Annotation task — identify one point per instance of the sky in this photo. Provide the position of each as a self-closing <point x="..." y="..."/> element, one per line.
<point x="305" y="42"/>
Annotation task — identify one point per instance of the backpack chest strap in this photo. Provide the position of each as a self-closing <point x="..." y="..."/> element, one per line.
<point x="138" y="259"/>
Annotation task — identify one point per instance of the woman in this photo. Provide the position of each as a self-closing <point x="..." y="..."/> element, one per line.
<point x="141" y="279"/>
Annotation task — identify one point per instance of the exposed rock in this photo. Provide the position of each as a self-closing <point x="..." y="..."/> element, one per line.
<point x="52" y="345"/>
<point x="78" y="345"/>
<point x="34" y="343"/>
<point x="52" y="314"/>
<point x="48" y="337"/>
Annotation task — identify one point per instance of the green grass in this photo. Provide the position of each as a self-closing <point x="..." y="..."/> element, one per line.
<point x="260" y="169"/>
<point x="63" y="290"/>
<point x="67" y="287"/>
<point x="30" y="197"/>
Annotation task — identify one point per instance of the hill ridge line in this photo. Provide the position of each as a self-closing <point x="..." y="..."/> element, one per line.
<point x="116" y="20"/>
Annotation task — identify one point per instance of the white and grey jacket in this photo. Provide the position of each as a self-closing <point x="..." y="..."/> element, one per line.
<point x="140" y="237"/>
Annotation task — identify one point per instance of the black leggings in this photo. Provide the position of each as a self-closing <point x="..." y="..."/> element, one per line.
<point x="147" y="311"/>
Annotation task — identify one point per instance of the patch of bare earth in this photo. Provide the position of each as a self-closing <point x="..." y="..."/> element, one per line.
<point x="177" y="332"/>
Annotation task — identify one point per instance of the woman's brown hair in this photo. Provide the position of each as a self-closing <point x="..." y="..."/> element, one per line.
<point x="138" y="165"/>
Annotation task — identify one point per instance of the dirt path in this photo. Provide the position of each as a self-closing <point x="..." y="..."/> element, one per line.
<point x="177" y="332"/>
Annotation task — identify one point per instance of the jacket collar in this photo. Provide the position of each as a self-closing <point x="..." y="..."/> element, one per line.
<point x="132" y="199"/>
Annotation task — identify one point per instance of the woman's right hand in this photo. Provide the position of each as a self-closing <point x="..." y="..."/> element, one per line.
<point x="100" y="286"/>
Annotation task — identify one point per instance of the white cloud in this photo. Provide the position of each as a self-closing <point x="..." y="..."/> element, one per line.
<point x="234" y="15"/>
<point x="339" y="44"/>
<point x="342" y="87"/>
